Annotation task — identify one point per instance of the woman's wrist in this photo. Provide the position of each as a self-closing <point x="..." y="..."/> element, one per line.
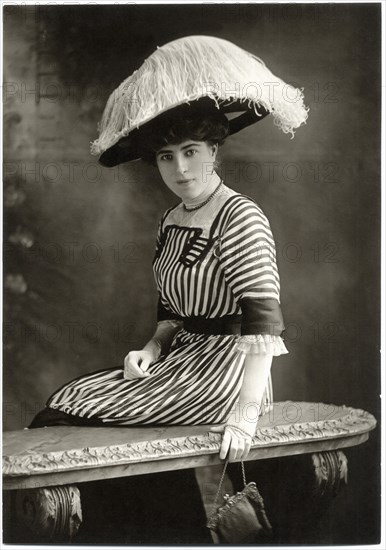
<point x="154" y="347"/>
<point x="239" y="421"/>
<point x="166" y="330"/>
<point x="239" y="431"/>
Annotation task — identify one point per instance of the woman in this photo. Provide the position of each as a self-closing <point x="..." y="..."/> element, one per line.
<point x="219" y="318"/>
<point x="216" y="275"/>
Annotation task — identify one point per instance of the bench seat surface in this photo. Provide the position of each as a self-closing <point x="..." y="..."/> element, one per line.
<point x="67" y="454"/>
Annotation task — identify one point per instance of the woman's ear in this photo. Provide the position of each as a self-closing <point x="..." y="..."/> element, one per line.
<point x="215" y="150"/>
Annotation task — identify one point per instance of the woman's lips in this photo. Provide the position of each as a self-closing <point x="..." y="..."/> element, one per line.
<point x="184" y="181"/>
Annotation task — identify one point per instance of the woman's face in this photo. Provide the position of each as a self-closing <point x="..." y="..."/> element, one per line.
<point x="187" y="167"/>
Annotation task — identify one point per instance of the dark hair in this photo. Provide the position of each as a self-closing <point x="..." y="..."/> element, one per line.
<point x="212" y="127"/>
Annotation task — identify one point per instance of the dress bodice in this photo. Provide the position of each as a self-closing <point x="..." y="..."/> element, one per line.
<point x="212" y="261"/>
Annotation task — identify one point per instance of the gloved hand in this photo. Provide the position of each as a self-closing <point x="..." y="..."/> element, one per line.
<point x="136" y="363"/>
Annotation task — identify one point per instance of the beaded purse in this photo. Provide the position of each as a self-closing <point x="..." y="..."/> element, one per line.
<point x="241" y="519"/>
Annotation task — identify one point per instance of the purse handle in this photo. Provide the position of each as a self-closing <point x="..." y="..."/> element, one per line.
<point x="222" y="479"/>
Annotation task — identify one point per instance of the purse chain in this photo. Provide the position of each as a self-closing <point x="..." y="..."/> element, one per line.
<point x="222" y="480"/>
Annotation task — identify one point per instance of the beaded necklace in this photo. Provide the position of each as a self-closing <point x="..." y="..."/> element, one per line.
<point x="187" y="209"/>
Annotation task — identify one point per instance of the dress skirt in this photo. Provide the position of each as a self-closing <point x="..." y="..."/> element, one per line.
<point x="197" y="382"/>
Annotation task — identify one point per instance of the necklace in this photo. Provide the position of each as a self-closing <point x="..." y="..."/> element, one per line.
<point x="205" y="201"/>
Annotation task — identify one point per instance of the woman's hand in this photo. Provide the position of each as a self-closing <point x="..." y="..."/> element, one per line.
<point x="241" y="427"/>
<point x="136" y="364"/>
<point x="236" y="443"/>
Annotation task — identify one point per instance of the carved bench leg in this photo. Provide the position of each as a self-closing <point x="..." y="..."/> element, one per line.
<point x="321" y="482"/>
<point x="49" y="514"/>
<point x="330" y="470"/>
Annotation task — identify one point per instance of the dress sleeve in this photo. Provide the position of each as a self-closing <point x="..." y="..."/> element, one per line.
<point x="247" y="255"/>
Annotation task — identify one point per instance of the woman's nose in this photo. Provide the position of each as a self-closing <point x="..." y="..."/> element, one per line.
<point x="181" y="164"/>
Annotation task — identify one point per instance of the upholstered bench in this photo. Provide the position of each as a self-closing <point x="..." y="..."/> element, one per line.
<point x="42" y="467"/>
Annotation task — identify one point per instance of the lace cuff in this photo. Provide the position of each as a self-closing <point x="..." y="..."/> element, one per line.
<point x="262" y="344"/>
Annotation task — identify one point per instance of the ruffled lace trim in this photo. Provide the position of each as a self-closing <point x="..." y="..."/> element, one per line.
<point x="262" y="344"/>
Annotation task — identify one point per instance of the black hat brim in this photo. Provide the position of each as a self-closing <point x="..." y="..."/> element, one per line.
<point x="128" y="148"/>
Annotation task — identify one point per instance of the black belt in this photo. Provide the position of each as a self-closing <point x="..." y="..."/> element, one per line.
<point x="229" y="324"/>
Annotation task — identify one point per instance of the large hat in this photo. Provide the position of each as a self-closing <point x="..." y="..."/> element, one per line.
<point x="198" y="73"/>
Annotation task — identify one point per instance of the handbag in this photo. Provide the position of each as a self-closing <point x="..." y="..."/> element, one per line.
<point x="241" y="519"/>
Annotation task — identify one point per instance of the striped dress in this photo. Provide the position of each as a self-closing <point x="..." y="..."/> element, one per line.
<point x="209" y="263"/>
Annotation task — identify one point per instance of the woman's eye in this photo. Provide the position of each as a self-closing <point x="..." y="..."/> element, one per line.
<point x="165" y="157"/>
<point x="191" y="152"/>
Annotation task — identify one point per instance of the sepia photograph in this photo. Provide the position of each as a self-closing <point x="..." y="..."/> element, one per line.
<point x="192" y="265"/>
